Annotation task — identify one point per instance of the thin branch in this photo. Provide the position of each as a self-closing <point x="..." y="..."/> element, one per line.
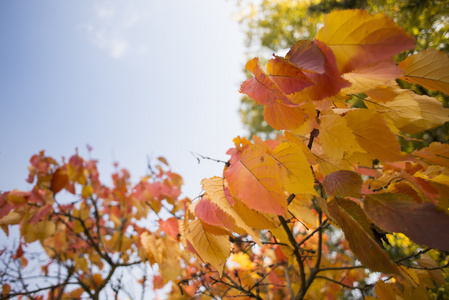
<point x="199" y="156"/>
<point x="292" y="240"/>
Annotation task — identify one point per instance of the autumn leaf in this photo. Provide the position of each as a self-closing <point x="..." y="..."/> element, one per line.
<point x="282" y="117"/>
<point x="254" y="180"/>
<point x="359" y="39"/>
<point x="356" y="227"/>
<point x="427" y="68"/>
<point x="211" y="248"/>
<point x="307" y="56"/>
<point x="337" y="139"/>
<point x="373" y="135"/>
<point x="343" y="184"/>
<point x="326" y="84"/>
<point x="262" y="88"/>
<point x="287" y="75"/>
<point x="370" y="77"/>
<point x="296" y="175"/>
<point x="59" y="180"/>
<point x="423" y="223"/>
<point x="412" y="113"/>
<point x="214" y="188"/>
<point x="252" y="217"/>
<point x="436" y="153"/>
<point x="170" y="226"/>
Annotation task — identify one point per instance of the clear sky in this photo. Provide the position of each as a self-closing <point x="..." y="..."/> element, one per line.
<point x="130" y="78"/>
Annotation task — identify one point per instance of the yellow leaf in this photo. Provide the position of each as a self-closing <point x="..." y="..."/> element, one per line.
<point x="242" y="261"/>
<point x="12" y="218"/>
<point x="428" y="68"/>
<point x="213" y="249"/>
<point x="296" y="175"/>
<point x="281" y="236"/>
<point x="337" y="138"/>
<point x="148" y="241"/>
<point x="300" y="209"/>
<point x="374" y="135"/>
<point x="38" y="231"/>
<point x="359" y="39"/>
<point x="87" y="191"/>
<point x="170" y="254"/>
<point x="412" y="113"/>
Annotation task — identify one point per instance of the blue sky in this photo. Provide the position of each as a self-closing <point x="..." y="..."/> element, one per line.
<point x="130" y="78"/>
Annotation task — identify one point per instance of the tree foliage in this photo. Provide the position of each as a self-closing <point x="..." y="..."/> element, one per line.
<point x="331" y="208"/>
<point x="275" y="25"/>
<point x="334" y="167"/>
<point x="93" y="236"/>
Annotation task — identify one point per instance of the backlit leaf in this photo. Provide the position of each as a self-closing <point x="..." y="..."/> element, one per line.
<point x="359" y="39"/>
<point x="214" y="189"/>
<point x="254" y="180"/>
<point x="429" y="69"/>
<point x="327" y="84"/>
<point x="370" y="77"/>
<point x="307" y="56"/>
<point x="294" y="168"/>
<point x="337" y="138"/>
<point x="213" y="249"/>
<point x="287" y="76"/>
<point x="423" y="223"/>
<point x="373" y="135"/>
<point x="412" y="113"/>
<point x="262" y="88"/>
<point x="170" y="227"/>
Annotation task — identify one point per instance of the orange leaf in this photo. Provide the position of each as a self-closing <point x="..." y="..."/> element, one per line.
<point x="59" y="180"/>
<point x="214" y="188"/>
<point x="170" y="227"/>
<point x="287" y="76"/>
<point x="436" y="153"/>
<point x="262" y="88"/>
<point x="254" y="180"/>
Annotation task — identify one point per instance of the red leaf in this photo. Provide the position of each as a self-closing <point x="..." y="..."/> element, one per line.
<point x="424" y="223"/>
<point x="343" y="184"/>
<point x="356" y="227"/>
